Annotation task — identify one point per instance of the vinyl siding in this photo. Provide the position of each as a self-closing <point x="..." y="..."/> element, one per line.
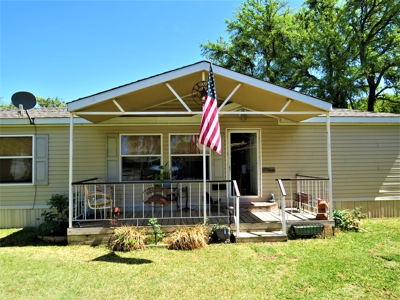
<point x="365" y="161"/>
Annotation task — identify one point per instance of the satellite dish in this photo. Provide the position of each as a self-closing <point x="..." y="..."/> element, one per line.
<point x="27" y="100"/>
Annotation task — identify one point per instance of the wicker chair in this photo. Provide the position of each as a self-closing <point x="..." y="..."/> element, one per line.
<point x="96" y="199"/>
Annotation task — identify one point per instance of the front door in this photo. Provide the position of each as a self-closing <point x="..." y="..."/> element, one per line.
<point x="244" y="160"/>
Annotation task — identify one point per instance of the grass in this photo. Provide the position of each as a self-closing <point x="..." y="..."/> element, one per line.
<point x="350" y="265"/>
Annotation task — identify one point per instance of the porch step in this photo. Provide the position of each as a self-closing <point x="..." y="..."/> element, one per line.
<point x="258" y="237"/>
<point x="259" y="227"/>
<point x="258" y="206"/>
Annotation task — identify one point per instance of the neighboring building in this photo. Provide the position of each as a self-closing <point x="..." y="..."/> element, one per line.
<point x="268" y="133"/>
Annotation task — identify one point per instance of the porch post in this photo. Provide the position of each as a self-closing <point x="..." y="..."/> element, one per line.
<point x="71" y="147"/>
<point x="328" y="143"/>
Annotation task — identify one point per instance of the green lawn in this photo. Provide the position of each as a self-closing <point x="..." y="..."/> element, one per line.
<point x="364" y="265"/>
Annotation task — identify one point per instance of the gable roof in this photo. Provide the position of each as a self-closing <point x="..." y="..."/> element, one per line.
<point x="165" y="92"/>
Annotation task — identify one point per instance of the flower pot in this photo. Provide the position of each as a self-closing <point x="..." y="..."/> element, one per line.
<point x="223" y="233"/>
<point x="322" y="208"/>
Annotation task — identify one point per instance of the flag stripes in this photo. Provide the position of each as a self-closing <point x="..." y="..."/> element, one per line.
<point x="210" y="135"/>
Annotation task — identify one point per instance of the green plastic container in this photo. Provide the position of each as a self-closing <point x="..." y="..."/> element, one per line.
<point x="307" y="229"/>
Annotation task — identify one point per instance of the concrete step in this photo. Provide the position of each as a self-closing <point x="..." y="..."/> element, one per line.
<point x="264" y="237"/>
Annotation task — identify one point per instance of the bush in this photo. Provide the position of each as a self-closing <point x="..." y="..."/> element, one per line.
<point x="55" y="220"/>
<point x="189" y="238"/>
<point x="349" y="219"/>
<point x="156" y="235"/>
<point x="127" y="238"/>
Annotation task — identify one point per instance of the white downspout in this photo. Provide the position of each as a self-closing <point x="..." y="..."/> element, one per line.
<point x="328" y="143"/>
<point x="71" y="147"/>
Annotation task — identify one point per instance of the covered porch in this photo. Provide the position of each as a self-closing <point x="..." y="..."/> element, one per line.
<point x="162" y="111"/>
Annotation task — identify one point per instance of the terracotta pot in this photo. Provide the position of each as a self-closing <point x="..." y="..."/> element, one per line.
<point x="322" y="207"/>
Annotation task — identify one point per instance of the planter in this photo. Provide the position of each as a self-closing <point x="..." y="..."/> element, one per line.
<point x="322" y="208"/>
<point x="223" y="233"/>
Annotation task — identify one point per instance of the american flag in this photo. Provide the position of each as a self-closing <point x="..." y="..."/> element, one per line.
<point x="209" y="128"/>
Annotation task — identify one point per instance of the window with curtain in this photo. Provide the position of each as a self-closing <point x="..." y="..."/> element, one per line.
<point x="16" y="157"/>
<point x="186" y="154"/>
<point x="140" y="156"/>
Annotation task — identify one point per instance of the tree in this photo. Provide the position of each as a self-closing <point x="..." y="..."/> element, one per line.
<point x="340" y="53"/>
<point x="261" y="36"/>
<point x="376" y="34"/>
<point x="4" y="105"/>
<point x="389" y="104"/>
<point x="42" y="102"/>
<point x="51" y="102"/>
<point x="326" y="43"/>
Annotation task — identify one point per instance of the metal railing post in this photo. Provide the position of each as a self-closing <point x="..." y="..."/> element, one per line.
<point x="237" y="223"/>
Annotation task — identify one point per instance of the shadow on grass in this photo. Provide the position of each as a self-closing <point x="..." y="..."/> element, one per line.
<point x="112" y="257"/>
<point x="390" y="257"/>
<point x="25" y="237"/>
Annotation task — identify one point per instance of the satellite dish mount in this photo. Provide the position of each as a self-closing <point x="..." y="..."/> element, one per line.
<point x="24" y="101"/>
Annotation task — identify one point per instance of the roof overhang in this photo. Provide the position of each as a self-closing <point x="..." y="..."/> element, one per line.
<point x="170" y="94"/>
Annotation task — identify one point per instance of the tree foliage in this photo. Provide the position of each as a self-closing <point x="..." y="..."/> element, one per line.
<point x="341" y="52"/>
<point x="41" y="102"/>
<point x="50" y="102"/>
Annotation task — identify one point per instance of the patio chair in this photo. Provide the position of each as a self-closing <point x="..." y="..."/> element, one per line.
<point x="98" y="200"/>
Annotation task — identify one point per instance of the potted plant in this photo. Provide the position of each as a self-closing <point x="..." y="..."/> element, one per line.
<point x="55" y="223"/>
<point x="220" y="233"/>
<point x="165" y="173"/>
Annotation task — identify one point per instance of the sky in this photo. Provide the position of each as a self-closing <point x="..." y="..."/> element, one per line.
<point x="73" y="49"/>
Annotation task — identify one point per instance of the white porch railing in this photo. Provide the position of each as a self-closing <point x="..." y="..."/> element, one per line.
<point x="95" y="200"/>
<point x="305" y="194"/>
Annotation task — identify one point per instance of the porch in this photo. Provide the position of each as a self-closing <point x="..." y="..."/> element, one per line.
<point x="183" y="206"/>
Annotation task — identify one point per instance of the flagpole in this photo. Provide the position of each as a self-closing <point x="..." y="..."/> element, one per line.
<point x="209" y="131"/>
<point x="204" y="185"/>
<point x="204" y="174"/>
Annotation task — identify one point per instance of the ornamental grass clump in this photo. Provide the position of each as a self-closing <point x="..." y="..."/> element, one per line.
<point x="189" y="238"/>
<point x="127" y="238"/>
<point x="349" y="220"/>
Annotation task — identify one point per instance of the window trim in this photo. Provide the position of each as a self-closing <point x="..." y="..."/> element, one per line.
<point x="33" y="157"/>
<point x="208" y="153"/>
<point x="120" y="155"/>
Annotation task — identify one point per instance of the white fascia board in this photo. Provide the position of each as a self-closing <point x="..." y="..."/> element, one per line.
<point x="353" y="120"/>
<point x="135" y="86"/>
<point x="346" y="120"/>
<point x="273" y="88"/>
<point x="43" y="121"/>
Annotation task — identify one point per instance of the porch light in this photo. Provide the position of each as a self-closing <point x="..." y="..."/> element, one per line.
<point x="243" y="117"/>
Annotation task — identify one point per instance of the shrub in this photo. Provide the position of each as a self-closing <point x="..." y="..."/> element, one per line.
<point x="189" y="238"/>
<point x="55" y="220"/>
<point x="127" y="238"/>
<point x="156" y="235"/>
<point x="349" y="219"/>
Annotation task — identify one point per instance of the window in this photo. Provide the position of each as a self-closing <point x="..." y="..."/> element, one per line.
<point x="187" y="157"/>
<point x="16" y="157"/>
<point x="141" y="156"/>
